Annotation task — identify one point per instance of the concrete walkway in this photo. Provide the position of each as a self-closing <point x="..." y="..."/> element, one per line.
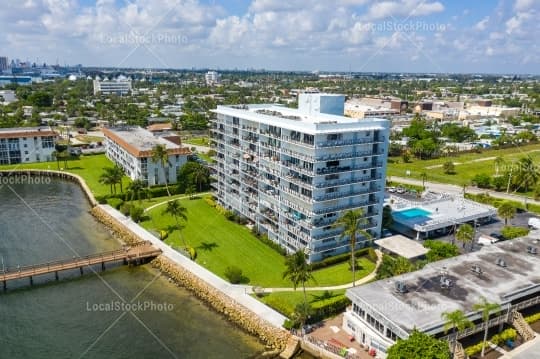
<point x="453" y="189"/>
<point x="237" y="293"/>
<point x="360" y="281"/>
<point x="528" y="350"/>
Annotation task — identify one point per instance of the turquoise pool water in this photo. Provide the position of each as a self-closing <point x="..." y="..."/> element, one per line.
<point x="414" y="212"/>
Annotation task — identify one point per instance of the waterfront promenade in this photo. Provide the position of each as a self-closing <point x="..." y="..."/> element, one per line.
<point x="238" y="293"/>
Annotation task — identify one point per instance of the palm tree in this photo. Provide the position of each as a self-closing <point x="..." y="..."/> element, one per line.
<point x="118" y="174"/>
<point x="527" y="174"/>
<point x="108" y="178"/>
<point x="298" y="271"/>
<point x="136" y="188"/>
<point x="160" y="156"/>
<point x="457" y="322"/>
<point x="56" y="156"/>
<point x="487" y="309"/>
<point x="506" y="211"/>
<point x="175" y="209"/>
<point x="424" y="177"/>
<point x="465" y="234"/>
<point x="200" y="176"/>
<point x="352" y="222"/>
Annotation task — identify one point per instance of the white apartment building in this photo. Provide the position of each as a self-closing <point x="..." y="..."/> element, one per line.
<point x="27" y="144"/>
<point x="131" y="148"/>
<point x="212" y="78"/>
<point x="120" y="86"/>
<point x="293" y="172"/>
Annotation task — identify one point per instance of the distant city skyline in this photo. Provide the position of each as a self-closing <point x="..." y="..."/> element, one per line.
<point x="345" y="35"/>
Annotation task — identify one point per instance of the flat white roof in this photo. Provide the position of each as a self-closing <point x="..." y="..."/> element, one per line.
<point x="296" y="120"/>
<point x="402" y="246"/>
<point x="141" y="139"/>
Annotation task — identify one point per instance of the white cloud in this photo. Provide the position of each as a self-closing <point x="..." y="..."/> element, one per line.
<point x="482" y="24"/>
<point x="403" y="8"/>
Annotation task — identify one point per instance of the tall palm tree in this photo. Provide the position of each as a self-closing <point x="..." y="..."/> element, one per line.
<point x="457" y="322"/>
<point x="118" y="174"/>
<point x="465" y="234"/>
<point x="175" y="209"/>
<point x="160" y="156"/>
<point x="424" y="177"/>
<point x="108" y="178"/>
<point x="506" y="211"/>
<point x="352" y="222"/>
<point x="527" y="174"/>
<point x="298" y="271"/>
<point x="487" y="309"/>
<point x="136" y="189"/>
<point x="201" y="176"/>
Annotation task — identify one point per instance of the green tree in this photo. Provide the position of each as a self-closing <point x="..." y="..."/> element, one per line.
<point x="419" y="346"/>
<point x="193" y="174"/>
<point x="387" y="219"/>
<point x="440" y="250"/>
<point x="298" y="271"/>
<point x="482" y="180"/>
<point x="526" y="174"/>
<point x="118" y="175"/>
<point x="108" y="177"/>
<point x="177" y="211"/>
<point x="161" y="157"/>
<point x="352" y="222"/>
<point x="465" y="234"/>
<point x="136" y="189"/>
<point x="506" y="211"/>
<point x="449" y="168"/>
<point x="499" y="162"/>
<point x="457" y="322"/>
<point x="487" y="309"/>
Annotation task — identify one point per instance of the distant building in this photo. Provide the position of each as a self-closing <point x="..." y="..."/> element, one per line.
<point x="505" y="273"/>
<point x="19" y="80"/>
<point x="358" y="110"/>
<point x="121" y="86"/>
<point x="3" y="63"/>
<point x="26" y="144"/>
<point x="131" y="148"/>
<point x="212" y="78"/>
<point x="293" y="172"/>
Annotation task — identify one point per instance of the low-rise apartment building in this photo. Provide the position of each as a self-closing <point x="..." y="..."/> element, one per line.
<point x="27" y="144"/>
<point x="132" y="147"/>
<point x="120" y="86"/>
<point x="293" y="172"/>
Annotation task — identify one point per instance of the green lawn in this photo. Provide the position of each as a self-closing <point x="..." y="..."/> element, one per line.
<point x="467" y="165"/>
<point x="200" y="141"/>
<point x="285" y="302"/>
<point x="221" y="243"/>
<point x="88" y="167"/>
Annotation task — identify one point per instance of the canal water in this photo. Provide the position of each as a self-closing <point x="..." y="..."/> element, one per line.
<point x="120" y="313"/>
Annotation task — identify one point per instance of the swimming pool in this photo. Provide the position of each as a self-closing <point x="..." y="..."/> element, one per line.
<point x="413" y="212"/>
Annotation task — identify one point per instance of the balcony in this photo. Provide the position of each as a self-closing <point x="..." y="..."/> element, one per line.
<point x="291" y="165"/>
<point x="296" y="194"/>
<point x="348" y="142"/>
<point x="298" y="181"/>
<point x="344" y="182"/>
<point x="337" y="195"/>
<point x="330" y="170"/>
<point x="298" y="142"/>
<point x="298" y="155"/>
<point x="340" y="156"/>
<point x="344" y="207"/>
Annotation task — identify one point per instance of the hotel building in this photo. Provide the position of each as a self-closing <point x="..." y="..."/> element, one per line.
<point x="120" y="87"/>
<point x="293" y="172"/>
<point x="27" y="144"/>
<point x="131" y="148"/>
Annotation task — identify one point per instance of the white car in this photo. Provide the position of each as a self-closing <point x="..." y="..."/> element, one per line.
<point x="392" y="189"/>
<point x="401" y="190"/>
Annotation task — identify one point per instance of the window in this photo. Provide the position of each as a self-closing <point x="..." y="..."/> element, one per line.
<point x="333" y="137"/>
<point x="375" y="323"/>
<point x="331" y="177"/>
<point x="361" y="313"/>
<point x="390" y="334"/>
<point x="332" y="163"/>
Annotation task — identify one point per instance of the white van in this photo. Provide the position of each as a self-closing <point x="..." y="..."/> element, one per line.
<point x="486" y="240"/>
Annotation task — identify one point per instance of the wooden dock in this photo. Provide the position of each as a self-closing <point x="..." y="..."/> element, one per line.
<point x="136" y="254"/>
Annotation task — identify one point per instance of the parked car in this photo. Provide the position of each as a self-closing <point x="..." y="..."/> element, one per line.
<point x="401" y="190"/>
<point x="392" y="189"/>
<point x="534" y="223"/>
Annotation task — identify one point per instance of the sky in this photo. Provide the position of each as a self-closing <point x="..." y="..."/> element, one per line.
<point x="445" y="36"/>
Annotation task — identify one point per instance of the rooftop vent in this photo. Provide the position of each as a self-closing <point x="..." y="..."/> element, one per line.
<point x="532" y="250"/>
<point x="446" y="283"/>
<point x="500" y="262"/>
<point x="401" y="287"/>
<point x="476" y="269"/>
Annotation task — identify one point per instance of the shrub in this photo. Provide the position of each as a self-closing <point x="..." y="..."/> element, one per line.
<point x="126" y="209"/>
<point x="482" y="180"/>
<point x="229" y="215"/>
<point x="372" y="255"/>
<point x="101" y="199"/>
<point x="474" y="349"/>
<point x="514" y="232"/>
<point x="163" y="234"/>
<point x="449" y="168"/>
<point x="210" y="201"/>
<point x="270" y="243"/>
<point x="192" y="253"/>
<point x="136" y="213"/>
<point x="329" y="308"/>
<point x="440" y="250"/>
<point x="211" y="153"/>
<point x="330" y="261"/>
<point x="532" y="318"/>
<point x="115" y="202"/>
<point x="233" y="274"/>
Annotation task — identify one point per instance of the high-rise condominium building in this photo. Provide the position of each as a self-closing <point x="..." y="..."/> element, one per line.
<point x="120" y="86"/>
<point x="3" y="63"/>
<point x="212" y="78"/>
<point x="293" y="172"/>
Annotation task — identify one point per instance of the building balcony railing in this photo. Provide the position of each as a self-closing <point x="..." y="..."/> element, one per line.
<point x="341" y="156"/>
<point x="337" y="195"/>
<point x="344" y="182"/>
<point x="298" y="142"/>
<point x="298" y="181"/>
<point x="296" y="194"/>
<point x="297" y="208"/>
<point x="302" y="170"/>
<point x="330" y="170"/>
<point x="349" y="142"/>
<point x="339" y="231"/>
<point x="298" y="155"/>
<point x="331" y="209"/>
<point x="296" y="231"/>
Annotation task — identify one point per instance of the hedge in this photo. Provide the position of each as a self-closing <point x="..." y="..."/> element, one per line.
<point x="532" y="318"/>
<point x="114" y="202"/>
<point x="329" y="309"/>
<point x="330" y="261"/>
<point x="497" y="339"/>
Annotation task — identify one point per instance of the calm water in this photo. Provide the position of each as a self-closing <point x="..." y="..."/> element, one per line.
<point x="76" y="317"/>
